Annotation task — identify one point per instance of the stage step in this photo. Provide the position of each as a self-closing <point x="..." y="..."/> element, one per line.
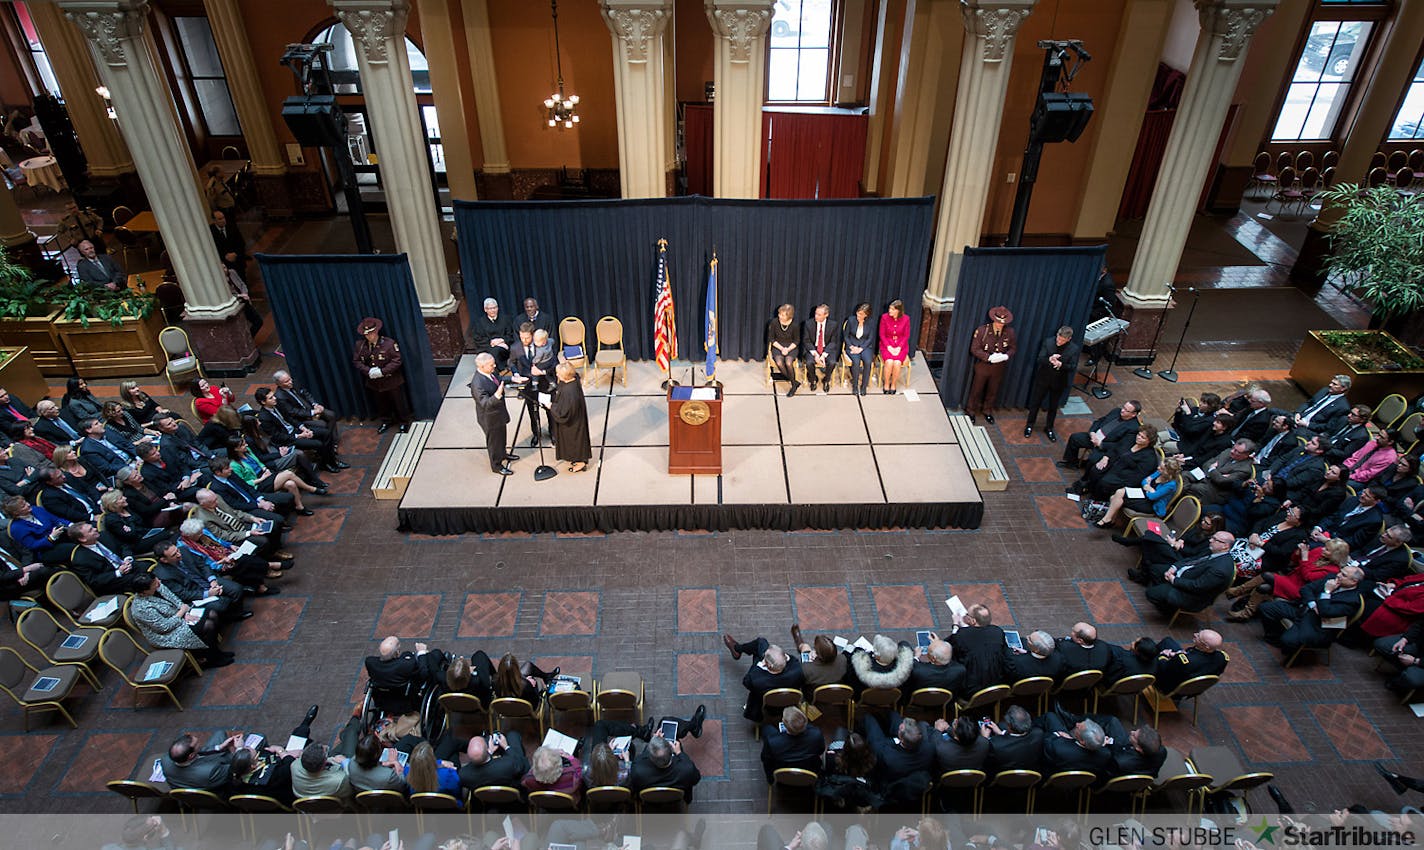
<point x="989" y="472"/>
<point x="394" y="475"/>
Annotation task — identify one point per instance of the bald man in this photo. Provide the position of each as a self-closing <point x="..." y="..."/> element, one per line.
<point x="399" y="677"/>
<point x="1204" y="657"/>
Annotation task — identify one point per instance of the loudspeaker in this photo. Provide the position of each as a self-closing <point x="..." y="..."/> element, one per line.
<point x="315" y="120"/>
<point x="1061" y="116"/>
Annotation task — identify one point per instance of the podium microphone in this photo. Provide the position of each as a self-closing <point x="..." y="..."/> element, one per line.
<point x="542" y="472"/>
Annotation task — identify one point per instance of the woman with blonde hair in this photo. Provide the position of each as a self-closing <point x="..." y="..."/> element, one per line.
<point x="552" y="770"/>
<point x="1312" y="563"/>
<point x="1158" y="490"/>
<point x="425" y="774"/>
<point x="784" y="338"/>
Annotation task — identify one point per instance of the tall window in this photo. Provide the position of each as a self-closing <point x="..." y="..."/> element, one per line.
<point x="1409" y="120"/>
<point x="346" y="74"/>
<point x="798" y="68"/>
<point x="31" y="40"/>
<point x="205" y="73"/>
<point x="1324" y="73"/>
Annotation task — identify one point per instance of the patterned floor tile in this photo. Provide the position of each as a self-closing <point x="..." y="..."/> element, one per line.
<point x="572" y="665"/>
<point x="120" y="751"/>
<point x="699" y="673"/>
<point x="22" y="755"/>
<point x="489" y="615"/>
<point x="347" y="482"/>
<point x="360" y="440"/>
<point x="1264" y="733"/>
<point x="273" y="619"/>
<point x="323" y="526"/>
<point x="1240" y="667"/>
<point x="902" y="606"/>
<point x="408" y="616"/>
<point x="570" y="612"/>
<point x="1177" y="729"/>
<point x="1012" y="432"/>
<point x="125" y="698"/>
<point x="708" y="752"/>
<point x="1310" y="667"/>
<point x="989" y="594"/>
<point x="1037" y="470"/>
<point x="238" y="684"/>
<point x="1351" y="732"/>
<point x="697" y="609"/>
<point x="1058" y="512"/>
<point x="822" y="609"/>
<point x="1108" y="603"/>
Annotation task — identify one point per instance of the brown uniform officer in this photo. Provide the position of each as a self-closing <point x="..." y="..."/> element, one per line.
<point x="378" y="359"/>
<point x="992" y="346"/>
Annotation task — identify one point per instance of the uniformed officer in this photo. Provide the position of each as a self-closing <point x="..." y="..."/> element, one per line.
<point x="992" y="346"/>
<point x="1204" y="657"/>
<point x="378" y="359"/>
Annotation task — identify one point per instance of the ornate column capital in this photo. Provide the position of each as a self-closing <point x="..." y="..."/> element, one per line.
<point x="636" y="23"/>
<point x="107" y="25"/>
<point x="994" y="23"/>
<point x="740" y="22"/>
<point x="1235" y="21"/>
<point x="372" y="24"/>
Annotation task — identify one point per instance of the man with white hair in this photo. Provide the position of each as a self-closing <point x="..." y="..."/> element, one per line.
<point x="492" y="333"/>
<point x="771" y="668"/>
<point x="888" y="665"/>
<point x="1039" y="657"/>
<point x="488" y="392"/>
<point x="1253" y="422"/>
<point x="399" y="677"/>
<point x="231" y="525"/>
<point x="1327" y="409"/>
<point x="297" y="405"/>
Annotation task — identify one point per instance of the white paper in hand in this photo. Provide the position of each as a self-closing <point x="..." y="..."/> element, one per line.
<point x="545" y="399"/>
<point x="375" y="372"/>
<point x="247" y="548"/>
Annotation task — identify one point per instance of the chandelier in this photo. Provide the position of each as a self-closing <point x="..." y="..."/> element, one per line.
<point x="561" y="108"/>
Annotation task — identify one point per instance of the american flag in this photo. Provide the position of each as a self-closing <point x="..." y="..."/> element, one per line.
<point x="664" y="325"/>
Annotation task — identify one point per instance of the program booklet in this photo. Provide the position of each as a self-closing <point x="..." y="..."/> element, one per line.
<point x="44" y="684"/>
<point x="74" y="641"/>
<point x="561" y="742"/>
<point x="157" y="671"/>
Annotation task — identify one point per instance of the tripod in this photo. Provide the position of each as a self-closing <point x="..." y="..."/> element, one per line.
<point x="1170" y="373"/>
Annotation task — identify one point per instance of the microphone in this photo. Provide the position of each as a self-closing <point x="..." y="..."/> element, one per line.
<point x="1105" y="302"/>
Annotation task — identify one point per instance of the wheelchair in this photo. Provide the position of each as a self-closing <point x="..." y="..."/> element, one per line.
<point x="381" y="703"/>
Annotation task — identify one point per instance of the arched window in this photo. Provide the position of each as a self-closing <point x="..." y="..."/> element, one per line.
<point x="345" y="74"/>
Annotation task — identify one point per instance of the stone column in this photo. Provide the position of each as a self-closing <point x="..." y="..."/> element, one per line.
<point x="496" y="181"/>
<point x="1226" y="28"/>
<point x="125" y="55"/>
<point x="378" y="32"/>
<point x="930" y="55"/>
<point x="740" y="62"/>
<point x="989" y="30"/>
<point x="20" y="243"/>
<point x="253" y="111"/>
<point x="637" y="28"/>
<point x="439" y="40"/>
<point x="69" y="56"/>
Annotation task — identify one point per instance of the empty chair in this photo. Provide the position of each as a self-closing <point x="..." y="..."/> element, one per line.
<point x="1327" y="177"/>
<point x="231" y="152"/>
<point x="1079" y="684"/>
<point x="1330" y="159"/>
<point x="1135" y="785"/>
<point x="1403" y="178"/>
<point x="1304" y="160"/>
<point x="1375" y="178"/>
<point x="1068" y="782"/>
<point x="1389" y="411"/>
<point x="1309" y="185"/>
<point x="1036" y="687"/>
<point x="1378" y="160"/>
<point x="433" y="801"/>
<point x="36" y="690"/>
<point x="603" y="797"/>
<point x="381" y="801"/>
<point x="966" y="779"/>
<point x="171" y="301"/>
<point x="68" y="594"/>
<point x="569" y="700"/>
<point x="1191" y="689"/>
<point x="1127" y="686"/>
<point x="936" y="700"/>
<point x="183" y="363"/>
<point x="877" y="699"/>
<point x="992" y="695"/>
<point x="1177" y="774"/>
<point x="57" y="645"/>
<point x="121" y="215"/>
<point x="827" y="696"/>
<point x="1181" y="517"/>
<point x="134" y="790"/>
<point x="1284" y="160"/>
<point x="504" y="708"/>
<point x="571" y="342"/>
<point x="609" y="334"/>
<point x="130" y="241"/>
<point x="1287" y="193"/>
<point x="1396" y="161"/>
<point x="456" y="705"/>
<point x="1416" y="160"/>
<point x="792" y="777"/>
<point x="1018" y="780"/>
<point x="145" y="671"/>
<point x="1262" y="180"/>
<point x="619" y="692"/>
<point x="1226" y="771"/>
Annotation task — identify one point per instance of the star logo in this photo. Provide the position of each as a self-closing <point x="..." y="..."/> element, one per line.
<point x="1265" y="832"/>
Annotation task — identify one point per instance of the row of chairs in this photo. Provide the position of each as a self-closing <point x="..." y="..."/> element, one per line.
<point x="608" y="352"/>
<point x="1293" y="179"/>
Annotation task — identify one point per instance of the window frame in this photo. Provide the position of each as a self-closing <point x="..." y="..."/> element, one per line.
<point x="833" y="52"/>
<point x="1417" y="79"/>
<point x="1374" y="13"/>
<point x="24" y="53"/>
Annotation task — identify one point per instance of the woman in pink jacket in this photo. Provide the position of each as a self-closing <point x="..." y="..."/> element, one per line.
<point x="894" y="346"/>
<point x="1373" y="457"/>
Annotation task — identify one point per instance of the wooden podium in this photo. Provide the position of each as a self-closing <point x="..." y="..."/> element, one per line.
<point x="694" y="432"/>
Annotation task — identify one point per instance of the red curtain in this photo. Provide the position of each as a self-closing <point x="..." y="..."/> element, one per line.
<point x="1146" y="162"/>
<point x="697" y="140"/>
<point x="812" y="155"/>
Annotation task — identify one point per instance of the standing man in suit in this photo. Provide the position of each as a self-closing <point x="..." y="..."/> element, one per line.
<point x="1327" y="409"/>
<point x="793" y="742"/>
<point x="1057" y="360"/>
<point x="492" y="334"/>
<point x="991" y="347"/>
<point x="100" y="270"/>
<point x="378" y="358"/>
<point x="232" y="248"/>
<point x="980" y="645"/>
<point x="488" y="392"/>
<point x="1193" y="584"/>
<point x="821" y="345"/>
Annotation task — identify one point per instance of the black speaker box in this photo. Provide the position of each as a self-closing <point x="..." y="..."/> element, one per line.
<point x="1061" y="116"/>
<point x="315" y="120"/>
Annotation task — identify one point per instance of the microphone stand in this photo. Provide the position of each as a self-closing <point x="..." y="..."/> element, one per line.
<point x="530" y="392"/>
<point x="1145" y="372"/>
<point x="1170" y="373"/>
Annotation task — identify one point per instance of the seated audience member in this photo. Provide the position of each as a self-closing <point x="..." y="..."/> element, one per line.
<point x="268" y="771"/>
<point x="164" y="477"/>
<point x="512" y="679"/>
<point x="980" y="646"/>
<point x="207" y="398"/>
<point x="1337" y="597"/>
<point x="1135" y="659"/>
<point x="1405" y="651"/>
<point x="225" y="426"/>
<point x="167" y="623"/>
<point x="244" y="497"/>
<point x="1294" y="474"/>
<point x="34" y="529"/>
<point x="1224" y="475"/>
<point x="180" y="446"/>
<point x="851" y="766"/>
<point x="18" y="578"/>
<point x="1315" y="503"/>
<point x="935" y="667"/>
<point x="1386" y="561"/>
<point x="821" y="348"/>
<point x="492" y="332"/>
<point x="553" y="770"/>
<point x="1039" y="657"/>
<point x="827" y="665"/>
<point x="1175" y="665"/>
<point x="1081" y="650"/>
<point x="103" y="569"/>
<point x="398" y="678"/>
<point x="189" y="581"/>
<point x="1390" y="609"/>
<point x="1018" y="745"/>
<point x="904" y="754"/>
<point x="155" y="509"/>
<point x="496" y="759"/>
<point x="138" y="403"/>
<point x="928" y="834"/>
<point x="64" y="501"/>
<point x="1158" y="491"/>
<point x="222" y="559"/>
<point x="1356" y="522"/>
<point x="1165" y="548"/>
<point x="1327" y="408"/>
<point x="1192" y="584"/>
<point x="1121" y="466"/>
<point x="119" y="422"/>
<point x="298" y="406"/>
<point x="959" y="746"/>
<point x="771" y="668"/>
<point x="1191" y="422"/>
<point x="283" y="434"/>
<point x="1079" y="746"/>
<point x="317" y="775"/>
<point x="228" y="524"/>
<point x="23" y="434"/>
<point x="426" y="774"/>
<point x="103" y="452"/>
<point x="1314" y="562"/>
<point x="1351" y="434"/>
<point x="793" y="742"/>
<point x="1276" y="543"/>
<point x="79" y="403"/>
<point x="1399" y="482"/>
<point x="206" y="767"/>
<point x="53" y="425"/>
<point x="1112" y="429"/>
<point x="1136" y="752"/>
<point x="12" y="410"/>
<point x="76" y="474"/>
<point x="1373" y="457"/>
<point x="602" y="765"/>
<point x="279" y="458"/>
<point x="663" y="764"/>
<point x="784" y="345"/>
<point x="250" y="468"/>
<point x="888" y="666"/>
<point x="1280" y="439"/>
<point x="1216" y="440"/>
<point x="1253" y="420"/>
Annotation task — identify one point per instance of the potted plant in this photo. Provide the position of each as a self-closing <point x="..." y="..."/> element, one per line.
<point x="109" y="333"/>
<point x="27" y="312"/>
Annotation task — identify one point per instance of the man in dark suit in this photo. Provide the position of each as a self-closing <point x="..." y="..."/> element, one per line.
<point x="771" y="668"/>
<point x="905" y="748"/>
<point x="99" y="270"/>
<point x="539" y="319"/>
<point x="1191" y="423"/>
<point x="1327" y="409"/>
<point x="979" y="644"/>
<point x="959" y="745"/>
<point x="1224" y="474"/>
<point x="793" y="742"/>
<point x="62" y="500"/>
<point x="1135" y="659"/>
<point x="1357" y="522"/>
<point x="1254" y="419"/>
<point x="1337" y="597"/>
<point x="1133" y="753"/>
<point x="1054" y="368"/>
<point x="821" y="346"/>
<point x="400" y="676"/>
<point x="1018" y="745"/>
<point x="1204" y="657"/>
<point x="100" y="567"/>
<point x="206" y="768"/>
<point x="53" y="425"/>
<point x="1083" y="746"/>
<point x="533" y="359"/>
<point x="1388" y="560"/>
<point x="492" y="333"/>
<point x="102" y="452"/>
<point x="1039" y="657"/>
<point x="1350" y="435"/>
<point x="1081" y="650"/>
<point x="1280" y="440"/>
<point x="297" y="405"/>
<point x="164" y="477"/>
<point x="283" y="432"/>
<point x="232" y="248"/>
<point x="1118" y="428"/>
<point x="496" y="760"/>
<point x="1298" y="471"/>
<point x="935" y="667"/>
<point x="663" y="764"/>
<point x="490" y="412"/>
<point x="1192" y="584"/>
<point x="13" y="410"/>
<point x="180" y="447"/>
<point x="242" y="496"/>
<point x="188" y="578"/>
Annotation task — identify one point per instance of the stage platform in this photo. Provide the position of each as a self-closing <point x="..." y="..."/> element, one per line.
<point x="833" y="461"/>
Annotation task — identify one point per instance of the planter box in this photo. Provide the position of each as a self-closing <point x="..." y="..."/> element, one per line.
<point x="20" y="375"/>
<point x="1316" y="363"/>
<point x="104" y="351"/>
<point x="39" y="335"/>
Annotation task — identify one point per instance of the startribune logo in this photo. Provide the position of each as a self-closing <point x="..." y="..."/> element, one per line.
<point x="1356" y="835"/>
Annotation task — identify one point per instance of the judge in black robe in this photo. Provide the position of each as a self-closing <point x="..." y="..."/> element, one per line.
<point x="569" y="415"/>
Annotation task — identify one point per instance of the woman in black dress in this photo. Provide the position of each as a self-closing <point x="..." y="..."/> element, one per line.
<point x="570" y="417"/>
<point x="784" y="337"/>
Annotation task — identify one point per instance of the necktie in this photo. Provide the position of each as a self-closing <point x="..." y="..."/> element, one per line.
<point x="1315" y="408"/>
<point x="17" y="414"/>
<point x="108" y="555"/>
<point x="115" y="449"/>
<point x="1244" y="421"/>
<point x="1271" y="444"/>
<point x="65" y="427"/>
<point x="83" y="501"/>
<point x="285" y="426"/>
<point x="820" y="337"/>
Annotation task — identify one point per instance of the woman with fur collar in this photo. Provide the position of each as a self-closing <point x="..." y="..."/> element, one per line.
<point x="888" y="666"/>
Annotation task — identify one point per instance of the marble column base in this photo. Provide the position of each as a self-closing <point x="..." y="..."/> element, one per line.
<point x="1137" y="339"/>
<point x="225" y="346"/>
<point x="934" y="328"/>
<point x="447" y="339"/>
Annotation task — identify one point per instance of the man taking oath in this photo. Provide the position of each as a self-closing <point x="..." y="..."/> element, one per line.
<point x="488" y="392"/>
<point x="378" y="358"/>
<point x="992" y="346"/>
<point x="1053" y="372"/>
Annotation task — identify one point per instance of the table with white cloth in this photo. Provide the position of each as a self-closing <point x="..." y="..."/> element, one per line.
<point x="43" y="171"/>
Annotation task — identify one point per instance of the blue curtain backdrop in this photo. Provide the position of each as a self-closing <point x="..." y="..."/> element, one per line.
<point x="1045" y="288"/>
<point x="318" y="300"/>
<point x="598" y="258"/>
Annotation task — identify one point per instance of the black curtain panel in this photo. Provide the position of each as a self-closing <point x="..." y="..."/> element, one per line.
<point x="318" y="300"/>
<point x="598" y="258"/>
<point x="1045" y="288"/>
